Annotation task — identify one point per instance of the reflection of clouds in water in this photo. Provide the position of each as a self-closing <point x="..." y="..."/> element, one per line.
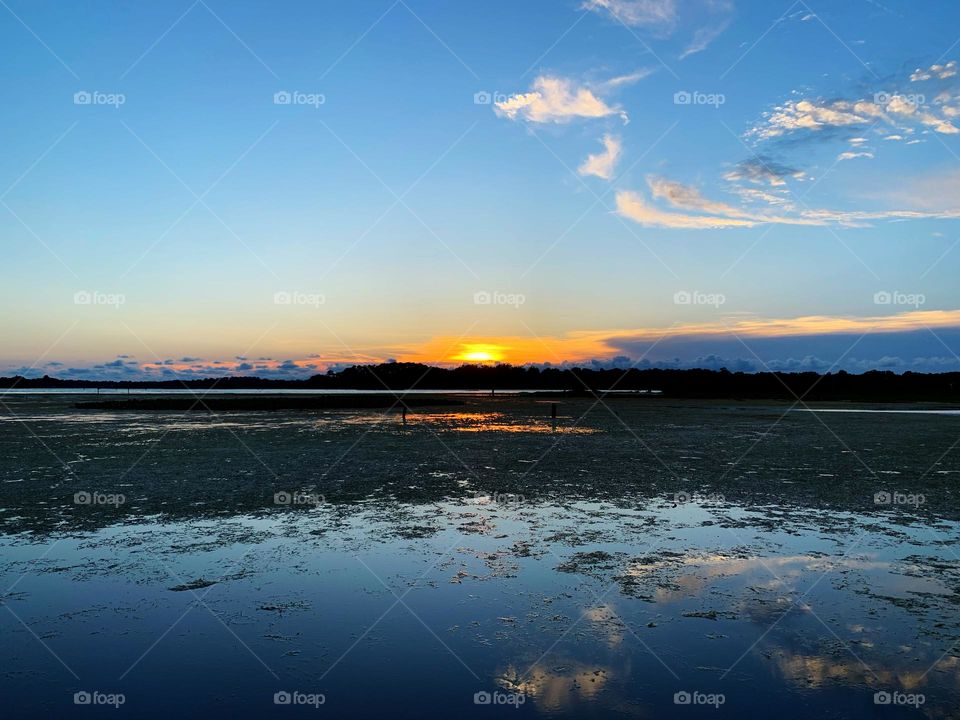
<point x="557" y="688"/>
<point x="609" y="622"/>
<point x="816" y="671"/>
<point x="690" y="574"/>
<point x="682" y="577"/>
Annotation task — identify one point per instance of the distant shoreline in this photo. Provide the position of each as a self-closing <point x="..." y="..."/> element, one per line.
<point x="392" y="378"/>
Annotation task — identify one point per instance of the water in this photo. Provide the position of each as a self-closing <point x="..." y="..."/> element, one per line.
<point x="646" y="553"/>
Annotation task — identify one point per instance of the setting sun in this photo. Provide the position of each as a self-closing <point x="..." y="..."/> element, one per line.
<point x="480" y="353"/>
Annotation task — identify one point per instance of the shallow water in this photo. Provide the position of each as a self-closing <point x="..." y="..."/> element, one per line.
<point x="735" y="553"/>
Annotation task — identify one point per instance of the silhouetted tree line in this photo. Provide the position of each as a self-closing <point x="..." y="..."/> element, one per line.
<point x="874" y="385"/>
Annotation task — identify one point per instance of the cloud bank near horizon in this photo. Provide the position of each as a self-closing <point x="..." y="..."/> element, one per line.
<point x="919" y="341"/>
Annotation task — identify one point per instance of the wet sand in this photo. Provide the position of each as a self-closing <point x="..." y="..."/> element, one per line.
<point x="788" y="562"/>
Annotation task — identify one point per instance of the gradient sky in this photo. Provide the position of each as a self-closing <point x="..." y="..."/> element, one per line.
<point x="667" y="182"/>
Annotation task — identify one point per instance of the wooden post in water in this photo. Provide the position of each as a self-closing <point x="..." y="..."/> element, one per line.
<point x="553" y="416"/>
<point x="403" y="413"/>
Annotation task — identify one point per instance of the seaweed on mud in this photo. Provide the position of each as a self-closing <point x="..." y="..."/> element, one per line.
<point x="197" y="584"/>
<point x="591" y="563"/>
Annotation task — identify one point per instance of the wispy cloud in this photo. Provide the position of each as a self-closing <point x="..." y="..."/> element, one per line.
<point x="620" y="81"/>
<point x="602" y="165"/>
<point x="657" y="14"/>
<point x="763" y="170"/>
<point x="634" y="206"/>
<point x="704" y="36"/>
<point x="556" y="100"/>
<point x="665" y="18"/>
<point x="701" y="213"/>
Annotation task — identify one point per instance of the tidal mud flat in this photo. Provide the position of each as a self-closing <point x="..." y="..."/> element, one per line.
<point x="646" y="558"/>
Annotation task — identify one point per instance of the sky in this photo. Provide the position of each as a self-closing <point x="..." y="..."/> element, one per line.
<point x="196" y="188"/>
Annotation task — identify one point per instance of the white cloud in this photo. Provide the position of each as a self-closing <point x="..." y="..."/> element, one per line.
<point x="941" y="72"/>
<point x="557" y="100"/>
<point x="602" y="165"/>
<point x="660" y="14"/>
<point x="806" y="115"/>
<point x="851" y="155"/>
<point x="897" y="111"/>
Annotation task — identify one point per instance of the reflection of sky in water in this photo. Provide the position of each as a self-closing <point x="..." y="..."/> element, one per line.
<point x="597" y="609"/>
<point x="809" y="624"/>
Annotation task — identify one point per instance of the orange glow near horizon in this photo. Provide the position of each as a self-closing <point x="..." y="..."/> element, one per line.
<point x="570" y="347"/>
<point x="480" y="353"/>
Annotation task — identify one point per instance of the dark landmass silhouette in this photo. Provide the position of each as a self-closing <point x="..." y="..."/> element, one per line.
<point x="249" y="403"/>
<point x="873" y="386"/>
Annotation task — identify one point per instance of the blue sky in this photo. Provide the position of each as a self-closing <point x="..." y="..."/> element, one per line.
<point x="685" y="182"/>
